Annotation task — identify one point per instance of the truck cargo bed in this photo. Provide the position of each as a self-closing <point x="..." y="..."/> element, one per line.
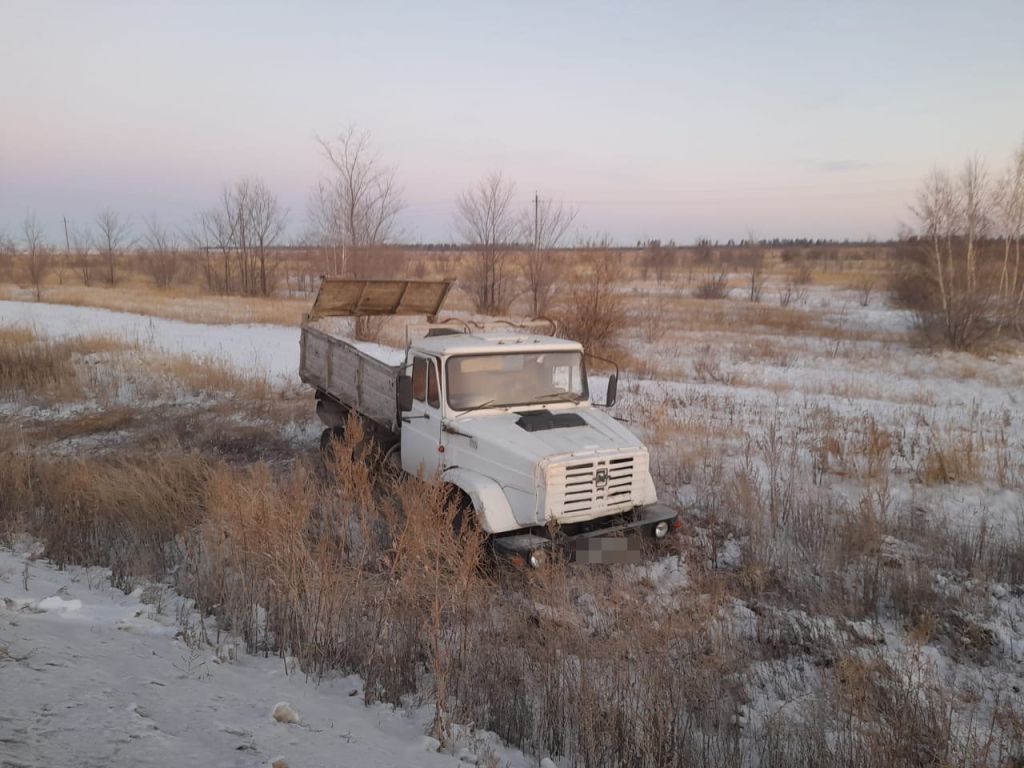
<point x="352" y="376"/>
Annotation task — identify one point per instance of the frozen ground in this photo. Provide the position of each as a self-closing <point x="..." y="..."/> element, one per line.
<point x="845" y="403"/>
<point x="91" y="676"/>
<point x="269" y="350"/>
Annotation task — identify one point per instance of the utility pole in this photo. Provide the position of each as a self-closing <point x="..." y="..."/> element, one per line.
<point x="67" y="252"/>
<point x="536" y="222"/>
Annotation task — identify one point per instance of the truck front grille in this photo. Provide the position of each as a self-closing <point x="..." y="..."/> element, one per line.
<point x="586" y="488"/>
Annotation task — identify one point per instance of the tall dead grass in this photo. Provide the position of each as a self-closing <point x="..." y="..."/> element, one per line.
<point x="178" y="304"/>
<point x="350" y="569"/>
<point x="32" y="366"/>
<point x="122" y="513"/>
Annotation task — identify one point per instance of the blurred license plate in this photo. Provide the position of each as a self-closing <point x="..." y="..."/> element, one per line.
<point x="608" y="549"/>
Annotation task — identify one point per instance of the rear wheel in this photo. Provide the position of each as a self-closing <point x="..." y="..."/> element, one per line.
<point x="330" y="438"/>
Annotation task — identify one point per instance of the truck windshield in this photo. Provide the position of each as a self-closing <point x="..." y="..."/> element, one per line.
<point x="515" y="378"/>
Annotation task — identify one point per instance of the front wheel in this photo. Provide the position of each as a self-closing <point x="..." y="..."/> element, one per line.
<point x="463" y="516"/>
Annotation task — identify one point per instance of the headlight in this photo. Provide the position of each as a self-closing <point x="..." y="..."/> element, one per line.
<point x="536" y="558"/>
<point x="661" y="529"/>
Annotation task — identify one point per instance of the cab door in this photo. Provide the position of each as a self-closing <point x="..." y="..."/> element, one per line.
<point x="421" y="425"/>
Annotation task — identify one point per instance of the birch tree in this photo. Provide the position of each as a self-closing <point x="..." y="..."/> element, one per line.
<point x="955" y="218"/>
<point x="1009" y="211"/>
<point x="354" y="209"/>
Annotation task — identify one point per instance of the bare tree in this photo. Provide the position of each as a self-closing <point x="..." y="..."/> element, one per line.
<point x="37" y="253"/>
<point x="235" y="202"/>
<point x="161" y="257"/>
<point x="549" y="222"/>
<point x="113" y="237"/>
<point x="7" y="251"/>
<point x="486" y="220"/>
<point x="947" y="288"/>
<point x="82" y="253"/>
<point x="62" y="258"/>
<point x="976" y="204"/>
<point x="1009" y="208"/>
<point x="325" y="226"/>
<point x="219" y="234"/>
<point x="237" y="240"/>
<point x="651" y="316"/>
<point x="198" y="239"/>
<point x="267" y="222"/>
<point x="596" y="313"/>
<point x="355" y="208"/>
<point x="659" y="258"/>
<point x="751" y="256"/>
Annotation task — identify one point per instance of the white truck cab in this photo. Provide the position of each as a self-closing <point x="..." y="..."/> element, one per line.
<point x="503" y="415"/>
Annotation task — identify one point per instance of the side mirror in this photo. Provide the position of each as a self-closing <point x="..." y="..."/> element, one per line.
<point x="404" y="393"/>
<point x="613" y="389"/>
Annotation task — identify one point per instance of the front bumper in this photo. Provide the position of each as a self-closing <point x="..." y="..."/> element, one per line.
<point x="639" y="519"/>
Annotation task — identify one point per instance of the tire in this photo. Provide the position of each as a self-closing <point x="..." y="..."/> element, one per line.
<point x="464" y="518"/>
<point x="391" y="461"/>
<point x="328" y="441"/>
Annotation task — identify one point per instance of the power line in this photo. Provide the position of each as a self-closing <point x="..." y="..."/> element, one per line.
<point x="697" y="196"/>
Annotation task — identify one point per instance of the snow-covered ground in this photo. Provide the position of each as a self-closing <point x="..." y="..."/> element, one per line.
<point x="90" y="676"/>
<point x="269" y="350"/>
<point x="846" y="404"/>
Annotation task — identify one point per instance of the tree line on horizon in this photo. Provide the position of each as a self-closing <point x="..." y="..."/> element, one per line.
<point x="959" y="270"/>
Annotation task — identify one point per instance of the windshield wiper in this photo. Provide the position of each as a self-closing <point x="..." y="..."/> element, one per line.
<point x="476" y="407"/>
<point x="562" y="397"/>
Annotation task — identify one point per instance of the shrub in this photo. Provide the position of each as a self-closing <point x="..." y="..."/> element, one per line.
<point x="651" y="317"/>
<point x="713" y="287"/>
<point x="595" y="312"/>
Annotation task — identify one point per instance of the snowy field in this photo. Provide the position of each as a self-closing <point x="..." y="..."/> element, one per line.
<point x="255" y="350"/>
<point x="94" y="677"/>
<point x="850" y="498"/>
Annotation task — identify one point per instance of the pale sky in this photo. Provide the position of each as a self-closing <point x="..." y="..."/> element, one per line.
<point x="670" y="120"/>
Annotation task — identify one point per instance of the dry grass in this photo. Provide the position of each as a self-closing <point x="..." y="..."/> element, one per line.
<point x="90" y="423"/>
<point x="181" y="303"/>
<point x="208" y="376"/>
<point x="124" y="513"/>
<point x="353" y="571"/>
<point x="33" y="367"/>
<point x="350" y="570"/>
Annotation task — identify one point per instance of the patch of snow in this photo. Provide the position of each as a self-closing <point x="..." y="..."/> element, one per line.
<point x="252" y="349"/>
<point x="118" y="686"/>
<point x="57" y="604"/>
<point x="270" y="350"/>
<point x="390" y="355"/>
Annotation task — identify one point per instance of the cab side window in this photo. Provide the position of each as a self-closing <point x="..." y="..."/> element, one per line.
<point x="419" y="378"/>
<point x="433" y="390"/>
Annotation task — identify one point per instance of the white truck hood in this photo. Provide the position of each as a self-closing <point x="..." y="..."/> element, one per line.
<point x="598" y="432"/>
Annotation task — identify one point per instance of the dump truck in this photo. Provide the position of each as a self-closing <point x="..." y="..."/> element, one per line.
<point x="500" y="412"/>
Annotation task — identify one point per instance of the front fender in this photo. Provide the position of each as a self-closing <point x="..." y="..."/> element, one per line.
<point x="490" y="503"/>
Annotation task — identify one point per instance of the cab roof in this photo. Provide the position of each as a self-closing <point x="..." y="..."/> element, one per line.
<point x="492" y="342"/>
